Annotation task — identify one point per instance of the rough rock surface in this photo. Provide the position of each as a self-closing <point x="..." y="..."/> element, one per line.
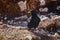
<point x="13" y="33"/>
<point x="47" y="24"/>
<point x="14" y="7"/>
<point x="8" y="32"/>
<point x="9" y="6"/>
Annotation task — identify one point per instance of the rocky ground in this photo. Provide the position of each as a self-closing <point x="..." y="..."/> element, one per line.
<point x="13" y="33"/>
<point x="10" y="32"/>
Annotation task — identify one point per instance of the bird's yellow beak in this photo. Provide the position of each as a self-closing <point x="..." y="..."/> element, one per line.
<point x="29" y="11"/>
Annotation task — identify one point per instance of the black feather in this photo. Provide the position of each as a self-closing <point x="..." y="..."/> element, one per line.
<point x="34" y="20"/>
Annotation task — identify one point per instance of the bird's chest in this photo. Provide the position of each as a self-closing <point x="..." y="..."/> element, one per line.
<point x="35" y="19"/>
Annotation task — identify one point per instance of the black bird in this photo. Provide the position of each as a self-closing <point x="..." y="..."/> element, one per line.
<point x="34" y="20"/>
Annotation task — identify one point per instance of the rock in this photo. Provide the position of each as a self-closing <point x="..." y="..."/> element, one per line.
<point x="56" y="35"/>
<point x="22" y="18"/>
<point x="33" y="4"/>
<point x="58" y="22"/>
<point x="9" y="7"/>
<point x="42" y="17"/>
<point x="19" y="33"/>
<point x="44" y="35"/>
<point x="46" y="24"/>
<point x="42" y="2"/>
<point x="43" y="10"/>
<point x="36" y="38"/>
<point x="55" y="17"/>
<point x="48" y="38"/>
<point x="1" y="23"/>
<point x="16" y="34"/>
<point x="22" y="5"/>
<point x="50" y="24"/>
<point x="17" y="27"/>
